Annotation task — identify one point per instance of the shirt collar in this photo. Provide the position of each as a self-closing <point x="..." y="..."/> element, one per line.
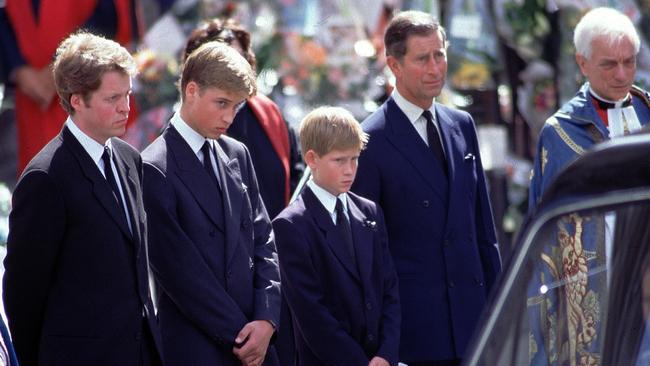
<point x="608" y="104"/>
<point x="327" y="199"/>
<point x="193" y="138"/>
<point x="92" y="147"/>
<point x="412" y="111"/>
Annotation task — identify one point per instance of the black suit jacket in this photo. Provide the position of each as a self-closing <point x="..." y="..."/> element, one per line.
<point x="76" y="279"/>
<point x="343" y="313"/>
<point x="214" y="276"/>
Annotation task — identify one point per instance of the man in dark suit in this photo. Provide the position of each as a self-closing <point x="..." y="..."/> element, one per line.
<point x="211" y="250"/>
<point x="76" y="286"/>
<point x="259" y="123"/>
<point x="30" y="32"/>
<point x="422" y="166"/>
<point x="337" y="274"/>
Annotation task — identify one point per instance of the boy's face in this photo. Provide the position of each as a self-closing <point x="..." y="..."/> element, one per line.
<point x="210" y="111"/>
<point x="334" y="171"/>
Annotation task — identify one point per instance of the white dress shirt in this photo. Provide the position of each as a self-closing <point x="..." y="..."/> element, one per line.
<point x="195" y="140"/>
<point x="96" y="150"/>
<point x="328" y="200"/>
<point x="414" y="114"/>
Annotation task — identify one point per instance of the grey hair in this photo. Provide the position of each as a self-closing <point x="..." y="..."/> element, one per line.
<point x="606" y="22"/>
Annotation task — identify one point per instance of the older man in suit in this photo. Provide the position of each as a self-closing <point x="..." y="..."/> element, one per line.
<point x="76" y="286"/>
<point x="212" y="252"/>
<point x="422" y="166"/>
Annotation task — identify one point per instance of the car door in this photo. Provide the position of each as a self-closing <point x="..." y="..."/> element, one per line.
<point x="577" y="289"/>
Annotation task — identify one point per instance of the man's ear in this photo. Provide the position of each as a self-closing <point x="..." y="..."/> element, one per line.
<point x="582" y="62"/>
<point x="394" y="65"/>
<point x="77" y="102"/>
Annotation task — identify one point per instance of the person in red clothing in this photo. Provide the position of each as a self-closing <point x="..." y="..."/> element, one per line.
<point x="34" y="30"/>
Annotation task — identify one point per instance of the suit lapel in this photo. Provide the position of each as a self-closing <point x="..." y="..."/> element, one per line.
<point x="403" y="136"/>
<point x="456" y="148"/>
<point x="363" y="241"/>
<point x="233" y="192"/>
<point x="194" y="176"/>
<point x="332" y="236"/>
<point x="128" y="180"/>
<point x="451" y="134"/>
<point x="101" y="188"/>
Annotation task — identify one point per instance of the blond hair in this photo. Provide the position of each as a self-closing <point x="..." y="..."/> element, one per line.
<point x="330" y="128"/>
<point x="81" y="61"/>
<point x="217" y="65"/>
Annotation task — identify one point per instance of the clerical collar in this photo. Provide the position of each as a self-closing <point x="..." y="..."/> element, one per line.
<point x="605" y="104"/>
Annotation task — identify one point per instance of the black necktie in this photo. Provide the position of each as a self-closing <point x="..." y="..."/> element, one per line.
<point x="343" y="224"/>
<point x="434" y="140"/>
<point x="108" y="172"/>
<point x="207" y="163"/>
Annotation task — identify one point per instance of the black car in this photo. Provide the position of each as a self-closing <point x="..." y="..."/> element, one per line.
<point x="576" y="291"/>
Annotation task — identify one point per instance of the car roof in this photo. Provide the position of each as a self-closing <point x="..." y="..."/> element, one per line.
<point x="620" y="164"/>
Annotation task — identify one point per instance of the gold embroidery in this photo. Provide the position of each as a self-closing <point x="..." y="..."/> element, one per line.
<point x="565" y="137"/>
<point x="581" y="304"/>
<point x="570" y="320"/>
<point x="626" y="130"/>
<point x="544" y="159"/>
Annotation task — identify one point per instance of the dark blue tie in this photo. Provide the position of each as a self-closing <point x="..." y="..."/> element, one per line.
<point x="207" y="165"/>
<point x="108" y="172"/>
<point x="343" y="224"/>
<point x="434" y="140"/>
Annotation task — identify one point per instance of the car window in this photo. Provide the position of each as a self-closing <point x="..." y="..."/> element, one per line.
<point x="580" y="295"/>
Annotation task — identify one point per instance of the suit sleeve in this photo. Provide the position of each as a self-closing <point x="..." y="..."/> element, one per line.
<point x="485" y="231"/>
<point x="391" y="317"/>
<point x="267" y="275"/>
<point x="36" y="230"/>
<point x="11" y="58"/>
<point x="180" y="269"/>
<point x="303" y="291"/>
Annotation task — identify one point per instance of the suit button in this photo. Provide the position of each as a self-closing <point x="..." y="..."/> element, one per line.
<point x="451" y="284"/>
<point x="478" y="281"/>
<point x="368" y="306"/>
<point x="229" y="274"/>
<point x="446" y="242"/>
<point x="425" y="203"/>
<point x="371" y="338"/>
